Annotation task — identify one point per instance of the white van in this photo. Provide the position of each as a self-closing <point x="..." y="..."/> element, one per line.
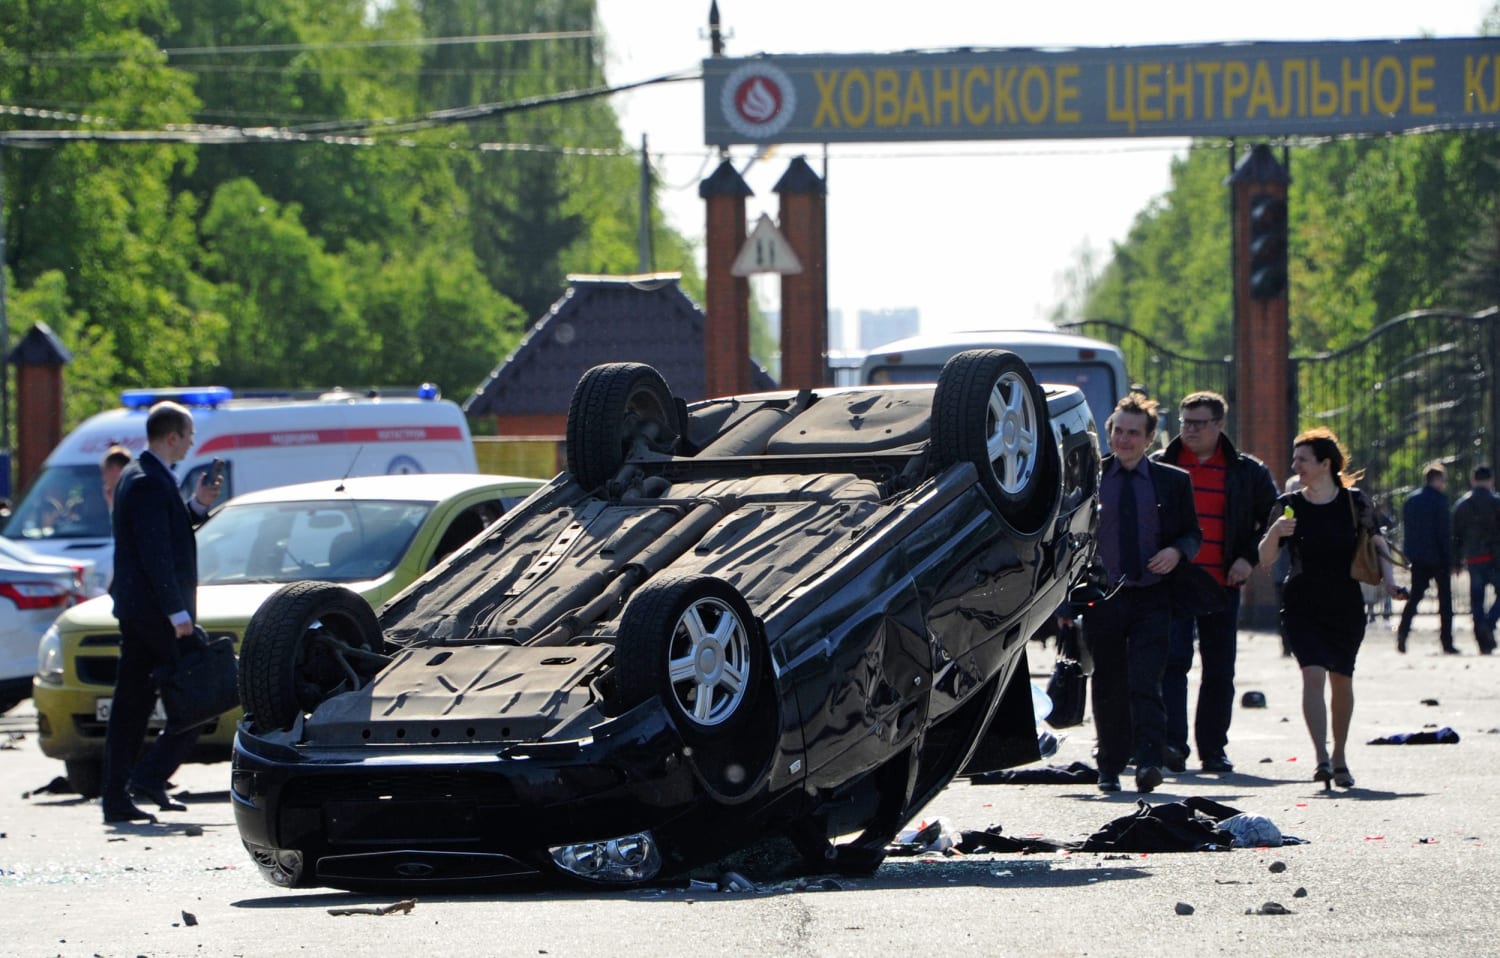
<point x="1094" y="366"/>
<point x="263" y="439"/>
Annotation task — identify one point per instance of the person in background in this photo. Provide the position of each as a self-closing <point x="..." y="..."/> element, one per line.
<point x="1232" y="494"/>
<point x="1146" y="527"/>
<point x="110" y="467"/>
<point x="1323" y="614"/>
<point x="155" y="594"/>
<point x="1476" y="546"/>
<point x="1428" y="539"/>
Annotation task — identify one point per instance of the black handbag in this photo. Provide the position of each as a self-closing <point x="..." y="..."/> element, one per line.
<point x="201" y="684"/>
<point x="1068" y="689"/>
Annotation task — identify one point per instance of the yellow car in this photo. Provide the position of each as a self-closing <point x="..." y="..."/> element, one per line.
<point x="372" y="534"/>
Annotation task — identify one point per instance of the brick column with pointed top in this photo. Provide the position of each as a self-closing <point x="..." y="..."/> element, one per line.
<point x="726" y="327"/>
<point x="1260" y="410"/>
<point x="39" y="359"/>
<point x="804" y="295"/>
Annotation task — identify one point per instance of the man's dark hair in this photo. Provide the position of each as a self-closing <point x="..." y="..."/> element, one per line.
<point x="166" y="418"/>
<point x="1481" y="473"/>
<point x="1205" y="399"/>
<point x="1434" y="471"/>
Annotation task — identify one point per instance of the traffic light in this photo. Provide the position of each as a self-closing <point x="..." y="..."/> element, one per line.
<point x="1267" y="246"/>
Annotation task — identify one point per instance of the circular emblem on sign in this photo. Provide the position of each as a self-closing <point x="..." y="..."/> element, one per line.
<point x="758" y="100"/>
<point x="403" y="466"/>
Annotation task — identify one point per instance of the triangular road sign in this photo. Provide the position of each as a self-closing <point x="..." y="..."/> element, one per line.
<point x="765" y="251"/>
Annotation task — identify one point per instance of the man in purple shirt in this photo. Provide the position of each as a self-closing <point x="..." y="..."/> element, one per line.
<point x="1147" y="526"/>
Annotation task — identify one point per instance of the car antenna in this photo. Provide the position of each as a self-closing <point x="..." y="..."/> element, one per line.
<point x="352" y="461"/>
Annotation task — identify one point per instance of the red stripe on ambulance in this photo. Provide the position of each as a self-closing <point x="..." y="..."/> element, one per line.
<point x="315" y="437"/>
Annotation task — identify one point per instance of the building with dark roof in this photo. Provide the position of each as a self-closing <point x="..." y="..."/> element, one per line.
<point x="600" y="319"/>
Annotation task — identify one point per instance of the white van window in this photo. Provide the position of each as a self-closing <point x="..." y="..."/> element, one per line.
<point x="64" y="502"/>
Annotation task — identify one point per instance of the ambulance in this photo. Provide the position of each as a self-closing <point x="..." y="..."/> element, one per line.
<point x="262" y="439"/>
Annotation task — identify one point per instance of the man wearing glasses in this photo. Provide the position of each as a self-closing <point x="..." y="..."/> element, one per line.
<point x="1233" y="493"/>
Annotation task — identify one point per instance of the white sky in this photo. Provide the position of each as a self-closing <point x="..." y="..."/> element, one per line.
<point x="972" y="241"/>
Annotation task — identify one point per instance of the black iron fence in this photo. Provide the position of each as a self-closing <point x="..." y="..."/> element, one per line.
<point x="1417" y="389"/>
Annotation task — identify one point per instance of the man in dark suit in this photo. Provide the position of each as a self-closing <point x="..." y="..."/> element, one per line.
<point x="155" y="592"/>
<point x="1147" y="526"/>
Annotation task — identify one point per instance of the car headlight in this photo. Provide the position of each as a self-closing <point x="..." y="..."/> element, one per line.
<point x="49" y="657"/>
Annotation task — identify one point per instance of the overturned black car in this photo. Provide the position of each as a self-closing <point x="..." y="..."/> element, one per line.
<point x="795" y="614"/>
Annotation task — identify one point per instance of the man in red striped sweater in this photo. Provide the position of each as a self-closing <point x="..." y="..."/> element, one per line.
<point x="1234" y="493"/>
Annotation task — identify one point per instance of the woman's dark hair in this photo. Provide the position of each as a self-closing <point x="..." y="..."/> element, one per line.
<point x="1326" y="447"/>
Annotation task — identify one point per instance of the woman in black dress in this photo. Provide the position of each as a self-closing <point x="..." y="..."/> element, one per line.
<point x="1323" y="609"/>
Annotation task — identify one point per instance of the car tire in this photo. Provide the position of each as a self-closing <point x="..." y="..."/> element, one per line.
<point x="617" y="409"/>
<point x="300" y="648"/>
<point x="85" y="776"/>
<point x="988" y="410"/>
<point x="691" y="640"/>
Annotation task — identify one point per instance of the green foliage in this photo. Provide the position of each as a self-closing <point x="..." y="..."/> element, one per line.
<point x="405" y="251"/>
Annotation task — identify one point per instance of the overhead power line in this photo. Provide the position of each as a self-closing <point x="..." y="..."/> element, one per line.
<point x="306" y="47"/>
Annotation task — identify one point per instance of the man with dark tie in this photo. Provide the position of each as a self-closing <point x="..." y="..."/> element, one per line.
<point x="1147" y="526"/>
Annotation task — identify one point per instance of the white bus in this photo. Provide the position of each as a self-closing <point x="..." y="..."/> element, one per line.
<point x="1094" y="366"/>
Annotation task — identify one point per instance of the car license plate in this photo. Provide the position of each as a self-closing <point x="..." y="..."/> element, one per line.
<point x="102" y="706"/>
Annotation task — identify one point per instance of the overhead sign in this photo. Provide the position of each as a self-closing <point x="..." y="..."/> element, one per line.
<point x="1241" y="89"/>
<point x="765" y="251"/>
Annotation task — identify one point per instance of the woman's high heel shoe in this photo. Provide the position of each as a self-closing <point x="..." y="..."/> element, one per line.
<point x="1342" y="778"/>
<point x="1324" y="773"/>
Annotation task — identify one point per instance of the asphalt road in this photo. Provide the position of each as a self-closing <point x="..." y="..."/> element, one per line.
<point x="1406" y="863"/>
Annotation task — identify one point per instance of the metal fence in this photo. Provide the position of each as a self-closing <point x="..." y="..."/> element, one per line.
<point x="1417" y="389"/>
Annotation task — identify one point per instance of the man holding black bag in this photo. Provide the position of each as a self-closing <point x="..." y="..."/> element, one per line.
<point x="155" y="593"/>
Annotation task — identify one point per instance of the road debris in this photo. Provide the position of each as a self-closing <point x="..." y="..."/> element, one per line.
<point x="404" y="906"/>
<point x="1183" y="908"/>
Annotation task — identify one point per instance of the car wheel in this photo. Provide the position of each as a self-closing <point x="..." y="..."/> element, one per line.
<point x="307" y="642"/>
<point x="85" y="776"/>
<point x="692" y="640"/>
<point x="989" y="410"/>
<point x="617" y="409"/>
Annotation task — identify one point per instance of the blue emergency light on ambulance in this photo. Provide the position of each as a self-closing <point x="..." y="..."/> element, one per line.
<point x="264" y="439"/>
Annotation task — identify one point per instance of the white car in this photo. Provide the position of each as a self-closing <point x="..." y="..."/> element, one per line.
<point x="33" y="590"/>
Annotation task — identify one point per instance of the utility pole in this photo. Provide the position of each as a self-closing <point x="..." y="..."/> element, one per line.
<point x="4" y="346"/>
<point x="643" y="237"/>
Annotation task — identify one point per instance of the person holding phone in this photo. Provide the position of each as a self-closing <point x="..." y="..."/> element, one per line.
<point x="155" y="595"/>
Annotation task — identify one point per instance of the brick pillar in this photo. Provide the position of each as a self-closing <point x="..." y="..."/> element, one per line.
<point x="726" y="327"/>
<point x="804" y="295"/>
<point x="39" y="359"/>
<point x="1261" y="407"/>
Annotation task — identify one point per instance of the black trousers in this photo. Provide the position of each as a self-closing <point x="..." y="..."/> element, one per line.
<point x="144" y="645"/>
<point x="1127" y="634"/>
<point x="1421" y="574"/>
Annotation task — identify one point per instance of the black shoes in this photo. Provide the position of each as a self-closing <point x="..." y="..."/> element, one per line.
<point x="1174" y="758"/>
<point x="1109" y="781"/>
<point x="121" y="814"/>
<point x="157" y="794"/>
<point x="1218" y="763"/>
<point x="1147" y="778"/>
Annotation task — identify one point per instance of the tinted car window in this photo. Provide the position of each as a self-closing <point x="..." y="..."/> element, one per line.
<point x="65" y="502"/>
<point x="336" y="541"/>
